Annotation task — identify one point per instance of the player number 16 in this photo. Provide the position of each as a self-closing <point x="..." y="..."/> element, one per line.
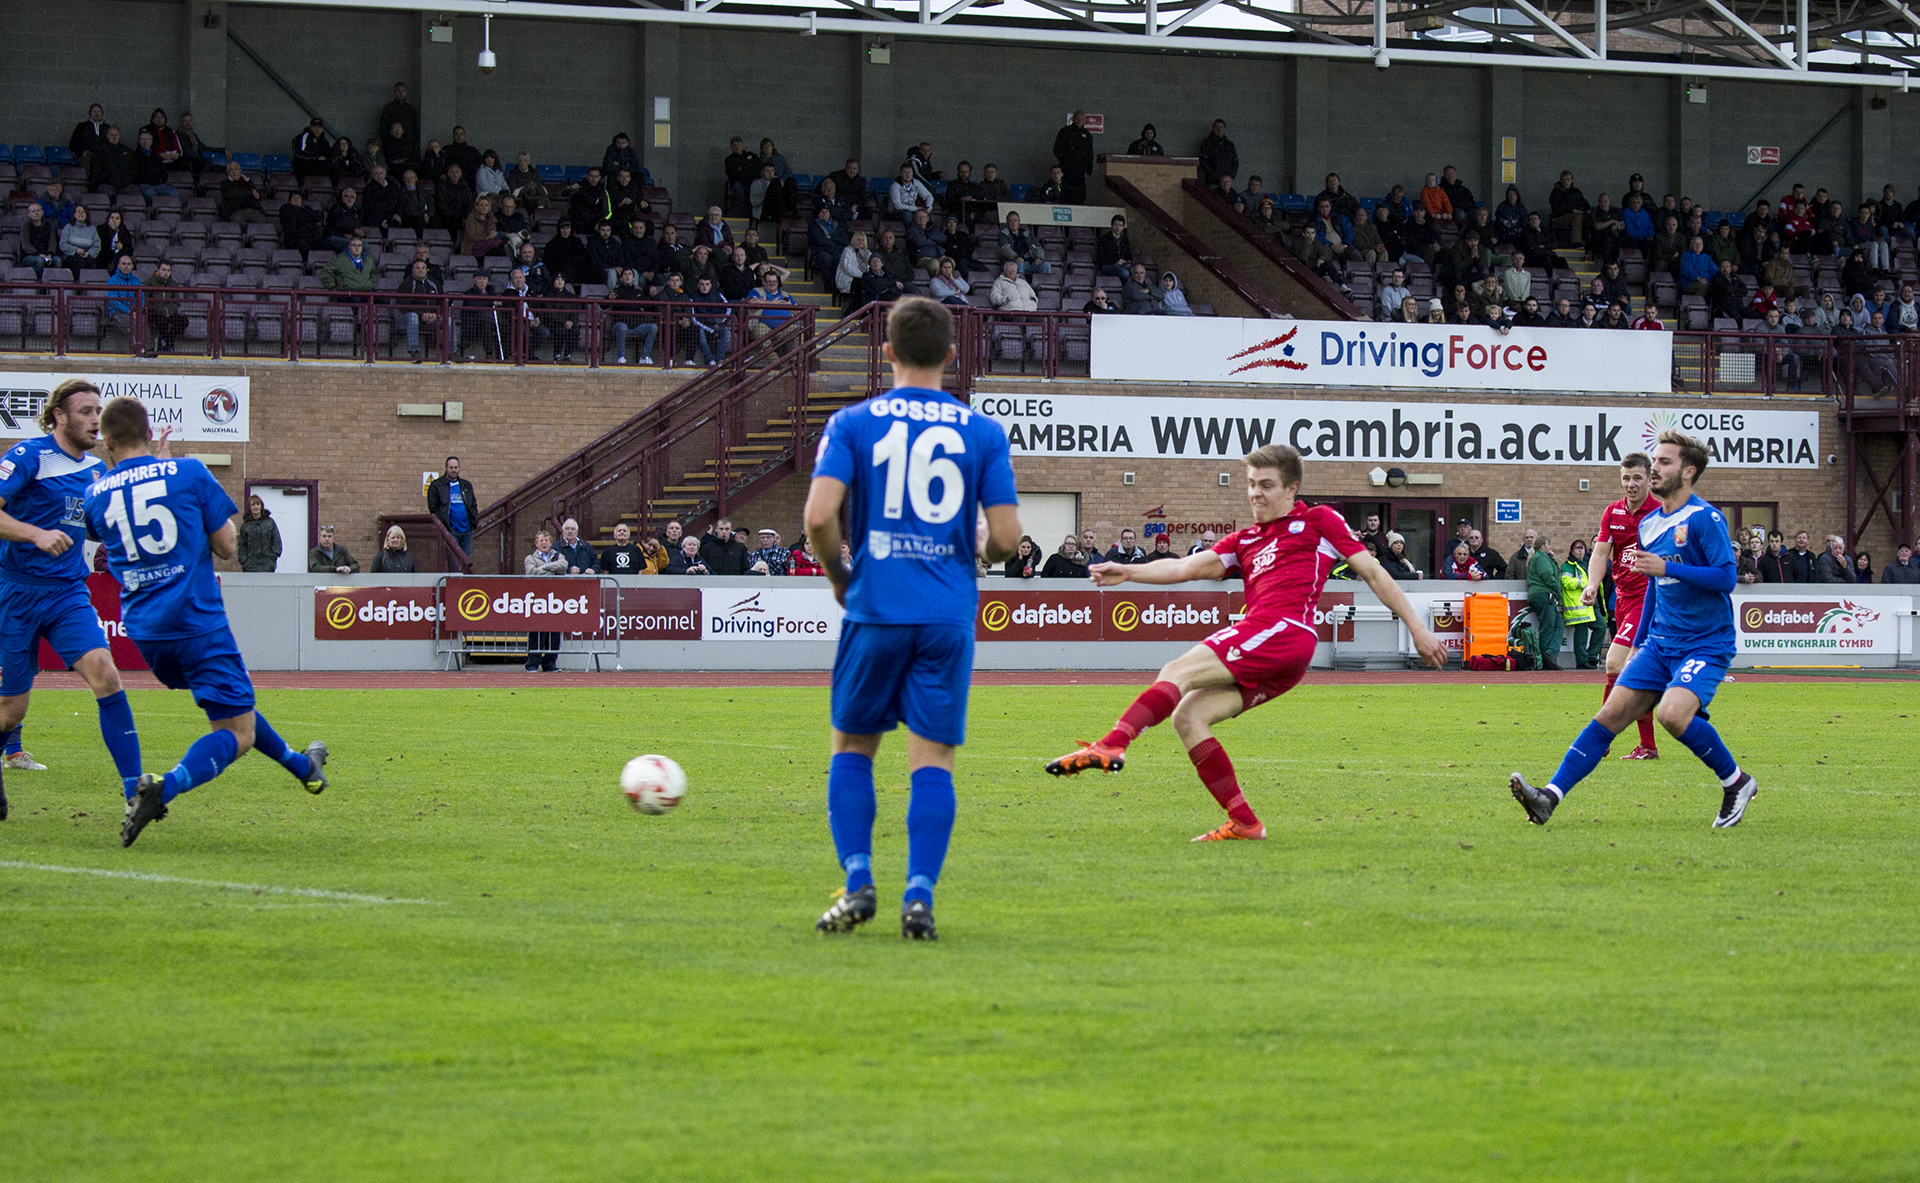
<point x="912" y="475"/>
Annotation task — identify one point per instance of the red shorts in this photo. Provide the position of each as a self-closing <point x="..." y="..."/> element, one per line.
<point x="1267" y="658"/>
<point x="1627" y="619"/>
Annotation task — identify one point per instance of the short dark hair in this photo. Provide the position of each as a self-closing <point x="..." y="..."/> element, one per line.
<point x="1692" y="451"/>
<point x="124" y="423"/>
<point x="1280" y="458"/>
<point x="58" y="399"/>
<point x="920" y="331"/>
<point x="1637" y="460"/>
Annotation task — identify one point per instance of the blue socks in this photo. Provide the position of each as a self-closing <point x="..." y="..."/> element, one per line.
<point x="206" y="759"/>
<point x="268" y="743"/>
<point x="11" y="743"/>
<point x="850" y="809"/>
<point x="1705" y="742"/>
<point x="1582" y="758"/>
<point x="123" y="742"/>
<point x="929" y="826"/>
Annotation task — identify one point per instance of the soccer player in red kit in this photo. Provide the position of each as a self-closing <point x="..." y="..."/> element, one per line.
<point x="1619" y="537"/>
<point x="1285" y="556"/>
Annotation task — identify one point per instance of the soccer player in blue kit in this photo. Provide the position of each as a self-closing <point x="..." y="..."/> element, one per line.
<point x="915" y="469"/>
<point x="43" y="572"/>
<point x="1684" y="645"/>
<point x="162" y="521"/>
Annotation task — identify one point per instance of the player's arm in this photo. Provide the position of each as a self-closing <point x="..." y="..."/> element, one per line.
<point x="825" y="496"/>
<point x="1383" y="585"/>
<point x="225" y="542"/>
<point x="1205" y="564"/>
<point x="1719" y="576"/>
<point x="1599" y="562"/>
<point x="1003" y="533"/>
<point x="12" y="529"/>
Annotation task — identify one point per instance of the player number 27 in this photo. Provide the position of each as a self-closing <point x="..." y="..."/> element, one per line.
<point x="912" y="474"/>
<point x="145" y="513"/>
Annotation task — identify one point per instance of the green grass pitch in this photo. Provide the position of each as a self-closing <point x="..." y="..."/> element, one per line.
<point x="1406" y="983"/>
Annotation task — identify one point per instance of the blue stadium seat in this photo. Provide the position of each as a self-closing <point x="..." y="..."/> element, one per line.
<point x="551" y="172"/>
<point x="1738" y="220"/>
<point x="577" y="172"/>
<point x="804" y="181"/>
<point x="1020" y="191"/>
<point x="252" y="161"/>
<point x="1369" y="203"/>
<point x="276" y="163"/>
<point x="1294" y="203"/>
<point x="879" y="186"/>
<point x="56" y="154"/>
<point x="27" y="154"/>
<point x="6" y="152"/>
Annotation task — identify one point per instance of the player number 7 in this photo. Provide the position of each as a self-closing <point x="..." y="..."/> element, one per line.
<point x="144" y="514"/>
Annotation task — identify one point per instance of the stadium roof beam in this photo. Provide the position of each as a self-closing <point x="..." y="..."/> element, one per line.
<point x="1744" y="53"/>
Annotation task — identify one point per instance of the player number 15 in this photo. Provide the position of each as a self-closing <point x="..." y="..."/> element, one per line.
<point x="144" y="514"/>
<point x="912" y="475"/>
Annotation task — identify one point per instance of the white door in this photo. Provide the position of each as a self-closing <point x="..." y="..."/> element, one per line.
<point x="288" y="505"/>
<point x="1048" y="518"/>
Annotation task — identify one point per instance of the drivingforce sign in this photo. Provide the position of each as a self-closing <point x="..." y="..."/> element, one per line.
<point x="1362" y="353"/>
<point x="554" y="604"/>
<point x="1172" y="428"/>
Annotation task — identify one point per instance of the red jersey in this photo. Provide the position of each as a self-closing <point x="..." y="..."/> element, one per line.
<point x="1286" y="561"/>
<point x="1620" y="527"/>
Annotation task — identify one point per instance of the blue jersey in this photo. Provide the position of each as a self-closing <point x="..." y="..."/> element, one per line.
<point x="918" y="465"/>
<point x="45" y="486"/>
<point x="154" y="518"/>
<point x="1690" y="608"/>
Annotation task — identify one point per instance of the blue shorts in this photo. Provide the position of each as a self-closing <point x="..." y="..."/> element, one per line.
<point x="884" y="673"/>
<point x="209" y="665"/>
<point x="64" y="615"/>
<point x="1654" y="669"/>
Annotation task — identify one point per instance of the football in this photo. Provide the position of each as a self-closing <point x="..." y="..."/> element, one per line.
<point x="653" y="784"/>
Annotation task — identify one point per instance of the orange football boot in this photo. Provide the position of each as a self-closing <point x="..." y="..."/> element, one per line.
<point x="1233" y="831"/>
<point x="1090" y="756"/>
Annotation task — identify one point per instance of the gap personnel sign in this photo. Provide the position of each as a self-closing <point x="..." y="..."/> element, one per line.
<point x="1170" y="428"/>
<point x="1362" y="353"/>
<point x="196" y="406"/>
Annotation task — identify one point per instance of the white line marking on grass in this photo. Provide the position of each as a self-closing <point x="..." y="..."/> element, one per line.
<point x="255" y="888"/>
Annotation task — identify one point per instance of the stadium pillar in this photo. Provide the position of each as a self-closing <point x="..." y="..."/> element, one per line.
<point x="1503" y="97"/>
<point x="1305" y="123"/>
<point x="658" y="49"/>
<point x="879" y="149"/>
<point x="1689" y="148"/>
<point x="207" y="71"/>
<point x="439" y="84"/>
<point x="1872" y="144"/>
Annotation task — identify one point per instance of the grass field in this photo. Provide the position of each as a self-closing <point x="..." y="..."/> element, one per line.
<point x="1407" y="983"/>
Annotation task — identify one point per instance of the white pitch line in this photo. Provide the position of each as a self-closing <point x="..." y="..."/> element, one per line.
<point x="255" y="888"/>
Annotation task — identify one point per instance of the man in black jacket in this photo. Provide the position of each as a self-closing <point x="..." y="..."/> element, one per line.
<point x="1489" y="559"/>
<point x="1218" y="157"/>
<point x="1833" y="565"/>
<point x="112" y="170"/>
<point x="450" y="498"/>
<point x="380" y="204"/>
<point x="581" y="558"/>
<point x="463" y="154"/>
<point x="312" y="150"/>
<point x="405" y="114"/>
<point x="741" y="168"/>
<point x="1113" y="251"/>
<point x="1073" y="150"/>
<point x="723" y="553"/>
<point x="300" y="225"/>
<point x="88" y="135"/>
<point x="409" y="315"/>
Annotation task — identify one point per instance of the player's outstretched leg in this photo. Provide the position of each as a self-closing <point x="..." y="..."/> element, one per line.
<point x="1680" y="715"/>
<point x="1588" y="749"/>
<point x="307" y="767"/>
<point x="850" y="810"/>
<point x="929" y="829"/>
<point x="1193" y="721"/>
<point x="1109" y="754"/>
<point x="122" y="738"/>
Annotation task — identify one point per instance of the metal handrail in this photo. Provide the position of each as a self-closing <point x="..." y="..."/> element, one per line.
<point x="1279" y="256"/>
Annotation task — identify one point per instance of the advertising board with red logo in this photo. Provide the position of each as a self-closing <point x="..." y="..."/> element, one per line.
<point x="559" y="604"/>
<point x="1039" y="616"/>
<point x="1842" y="625"/>
<point x="195" y="406"/>
<point x="375" y="613"/>
<point x="104" y="591"/>
<point x="1363" y="353"/>
<point x="649" y="614"/>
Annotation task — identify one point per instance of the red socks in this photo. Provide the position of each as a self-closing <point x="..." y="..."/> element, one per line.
<point x="1216" y="772"/>
<point x="1153" y="706"/>
<point x="1646" y="720"/>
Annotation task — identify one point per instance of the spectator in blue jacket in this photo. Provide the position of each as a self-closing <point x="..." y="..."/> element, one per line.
<point x="1639" y="224"/>
<point x="120" y="307"/>
<point x="1697" y="268"/>
<point x="581" y="558"/>
<point x="54" y="204"/>
<point x="1510" y="216"/>
<point x="826" y="238"/>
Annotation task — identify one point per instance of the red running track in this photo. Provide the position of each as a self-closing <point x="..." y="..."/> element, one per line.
<point x="515" y="679"/>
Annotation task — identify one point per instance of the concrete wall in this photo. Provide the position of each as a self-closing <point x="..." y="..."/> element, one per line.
<point x="564" y="87"/>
